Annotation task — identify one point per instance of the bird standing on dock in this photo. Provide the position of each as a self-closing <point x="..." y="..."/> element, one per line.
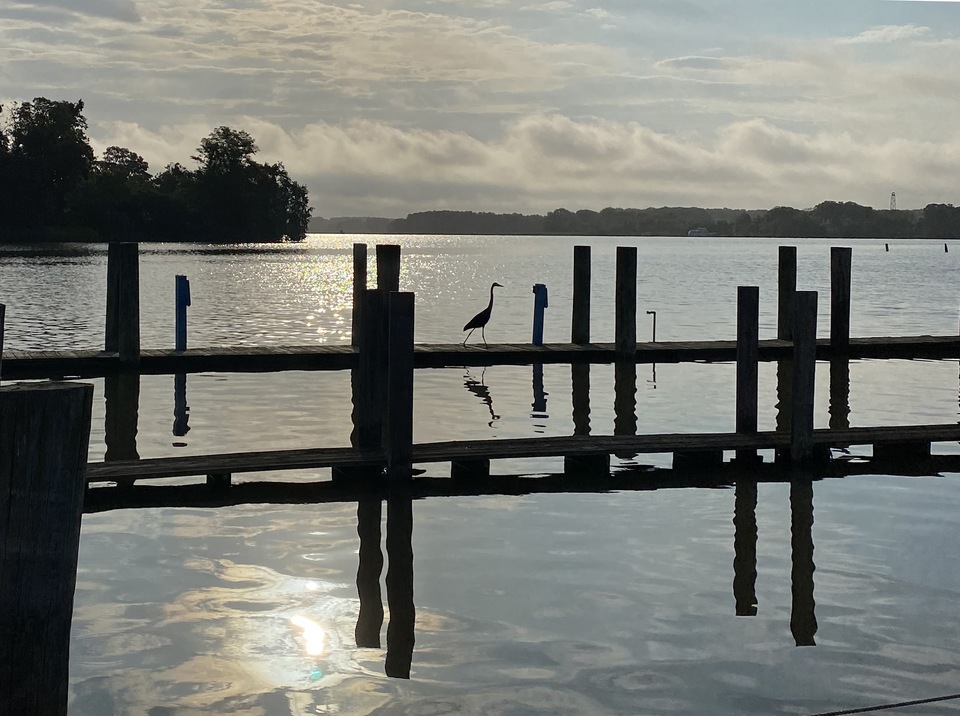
<point x="482" y="318"/>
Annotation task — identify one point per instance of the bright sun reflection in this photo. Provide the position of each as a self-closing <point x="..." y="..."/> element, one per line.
<point x="313" y="635"/>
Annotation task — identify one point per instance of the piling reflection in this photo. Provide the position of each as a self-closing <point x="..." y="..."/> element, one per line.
<point x="181" y="411"/>
<point x="625" y="401"/>
<point x="803" y="620"/>
<point x="580" y="377"/>
<point x="479" y="389"/>
<point x="403" y="615"/>
<point x="539" y="404"/>
<point x="784" y="402"/>
<point x="839" y="393"/>
<point x="745" y="548"/>
<point x="369" y="568"/>
<point x="121" y="407"/>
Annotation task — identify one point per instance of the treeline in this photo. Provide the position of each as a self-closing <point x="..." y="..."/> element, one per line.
<point x="54" y="187"/>
<point x="830" y="219"/>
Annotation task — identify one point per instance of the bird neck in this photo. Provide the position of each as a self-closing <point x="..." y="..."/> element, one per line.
<point x="490" y="305"/>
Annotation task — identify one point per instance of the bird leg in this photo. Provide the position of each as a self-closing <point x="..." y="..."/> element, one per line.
<point x="468" y="335"/>
<point x="483" y="336"/>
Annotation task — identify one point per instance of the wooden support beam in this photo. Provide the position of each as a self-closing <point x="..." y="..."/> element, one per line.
<point x="44" y="436"/>
<point x="111" y="336"/>
<point x="128" y="309"/>
<point x="786" y="291"/>
<point x="625" y="326"/>
<point x="359" y="287"/>
<point x="748" y="353"/>
<point x="399" y="415"/>
<point x="470" y="469"/>
<point x="802" y="448"/>
<point x="580" y="324"/>
<point x="840" y="266"/>
<point x="388" y="268"/>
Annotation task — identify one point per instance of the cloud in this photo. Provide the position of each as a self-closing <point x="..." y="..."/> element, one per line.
<point x="123" y="10"/>
<point x="888" y="34"/>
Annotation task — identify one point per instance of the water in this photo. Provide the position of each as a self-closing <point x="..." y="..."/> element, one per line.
<point x="608" y="603"/>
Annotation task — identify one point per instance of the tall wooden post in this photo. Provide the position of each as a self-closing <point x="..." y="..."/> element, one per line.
<point x="580" y="324"/>
<point x="181" y="301"/>
<point x="804" y="376"/>
<point x="748" y="352"/>
<point x="399" y="418"/>
<point x="44" y="436"/>
<point x="111" y="337"/>
<point x="401" y="635"/>
<point x="371" y="378"/>
<point x="388" y="267"/>
<point x="840" y="261"/>
<point x="3" y="318"/>
<point x="128" y="310"/>
<point x="626" y="302"/>
<point x="786" y="290"/>
<point x="803" y="618"/>
<point x="359" y="286"/>
<point x="121" y="394"/>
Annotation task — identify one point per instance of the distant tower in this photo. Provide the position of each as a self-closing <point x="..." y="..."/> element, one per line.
<point x="893" y="201"/>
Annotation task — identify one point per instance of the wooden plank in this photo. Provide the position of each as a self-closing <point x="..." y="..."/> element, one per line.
<point x="44" y="437"/>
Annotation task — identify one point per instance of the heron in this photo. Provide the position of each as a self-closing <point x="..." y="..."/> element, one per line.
<point x="482" y="318"/>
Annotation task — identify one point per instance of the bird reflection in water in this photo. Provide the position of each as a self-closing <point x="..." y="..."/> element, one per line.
<point x="479" y="389"/>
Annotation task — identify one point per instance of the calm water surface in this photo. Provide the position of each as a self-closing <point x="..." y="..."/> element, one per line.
<point x="609" y="603"/>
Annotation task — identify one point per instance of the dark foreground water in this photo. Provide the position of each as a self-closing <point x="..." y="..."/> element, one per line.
<point x="623" y="602"/>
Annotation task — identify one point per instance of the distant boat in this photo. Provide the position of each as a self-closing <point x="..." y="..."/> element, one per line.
<point x="700" y="232"/>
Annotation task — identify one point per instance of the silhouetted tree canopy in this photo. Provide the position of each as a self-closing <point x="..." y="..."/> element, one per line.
<point x="53" y="187"/>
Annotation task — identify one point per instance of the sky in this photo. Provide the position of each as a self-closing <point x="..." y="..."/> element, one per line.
<point x="387" y="107"/>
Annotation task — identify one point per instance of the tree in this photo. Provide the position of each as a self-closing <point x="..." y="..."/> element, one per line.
<point x="123" y="163"/>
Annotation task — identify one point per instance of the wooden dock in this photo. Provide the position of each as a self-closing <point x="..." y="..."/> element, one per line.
<point x="20" y="365"/>
<point x="906" y="439"/>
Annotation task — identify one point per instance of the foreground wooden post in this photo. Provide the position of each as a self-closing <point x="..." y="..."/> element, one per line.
<point x="840" y="262"/>
<point x="388" y="268"/>
<point x="128" y="310"/>
<point x="3" y="318"/>
<point x="626" y="302"/>
<point x="44" y="435"/>
<point x="748" y="352"/>
<point x="786" y="290"/>
<point x="580" y="324"/>
<point x="359" y="286"/>
<point x="804" y="376"/>
<point x="399" y="416"/>
<point x="369" y="409"/>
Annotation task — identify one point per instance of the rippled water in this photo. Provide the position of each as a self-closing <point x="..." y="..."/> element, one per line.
<point x="611" y="603"/>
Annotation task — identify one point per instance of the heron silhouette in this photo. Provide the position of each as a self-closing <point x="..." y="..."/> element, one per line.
<point x="482" y="318"/>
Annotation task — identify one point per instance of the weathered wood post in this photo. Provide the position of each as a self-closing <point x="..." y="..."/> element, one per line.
<point x="580" y="323"/>
<point x="540" y="305"/>
<point x="745" y="547"/>
<point x="128" y="310"/>
<point x="388" y="267"/>
<point x="786" y="291"/>
<point x="803" y="618"/>
<point x="369" y="568"/>
<point x="3" y="318"/>
<point x="44" y="436"/>
<point x="182" y="300"/>
<point x="111" y="336"/>
<point x="626" y="302"/>
<point x="804" y="376"/>
<point x="399" y="415"/>
<point x="840" y="262"/>
<point x="748" y="352"/>
<point x="401" y="635"/>
<point x="359" y="286"/>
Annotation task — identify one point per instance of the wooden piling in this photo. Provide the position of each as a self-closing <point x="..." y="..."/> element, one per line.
<point x="786" y="291"/>
<point x="128" y="310"/>
<point x="44" y="436"/>
<point x="388" y="267"/>
<point x="359" y="286"/>
<point x="625" y="401"/>
<point x="399" y="415"/>
<point x="121" y="393"/>
<point x="371" y="378"/>
<point x="748" y="352"/>
<point x="804" y="376"/>
<point x="3" y="319"/>
<point x="626" y="301"/>
<point x="111" y="336"/>
<point x="181" y="301"/>
<point x="840" y="263"/>
<point x="580" y="323"/>
<point x="580" y="379"/>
